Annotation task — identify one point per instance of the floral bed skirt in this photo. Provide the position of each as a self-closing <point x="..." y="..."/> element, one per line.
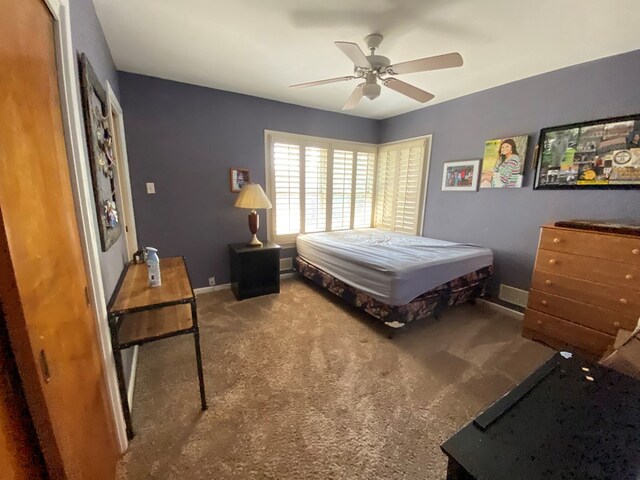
<point x="459" y="290"/>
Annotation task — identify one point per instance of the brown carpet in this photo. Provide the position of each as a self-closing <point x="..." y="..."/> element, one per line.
<point x="302" y="387"/>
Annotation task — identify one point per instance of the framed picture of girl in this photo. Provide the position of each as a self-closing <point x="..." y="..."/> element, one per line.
<point x="503" y="162"/>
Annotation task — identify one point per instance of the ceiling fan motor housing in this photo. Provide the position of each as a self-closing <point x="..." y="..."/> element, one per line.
<point x="371" y="89"/>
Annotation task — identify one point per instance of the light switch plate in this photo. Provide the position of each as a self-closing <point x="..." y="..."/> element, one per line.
<point x="151" y="187"/>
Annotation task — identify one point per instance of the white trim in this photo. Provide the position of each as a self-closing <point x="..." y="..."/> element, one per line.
<point x="122" y="166"/>
<point x="227" y="286"/>
<point x="132" y="376"/>
<point x="406" y="140"/>
<point x="215" y="288"/>
<point x="83" y="196"/>
<point x="509" y="312"/>
<point x="54" y="8"/>
<point x="425" y="186"/>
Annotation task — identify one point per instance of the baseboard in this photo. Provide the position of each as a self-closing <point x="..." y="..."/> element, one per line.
<point x="132" y="376"/>
<point x="215" y="288"/>
<point x="227" y="286"/>
<point x="502" y="309"/>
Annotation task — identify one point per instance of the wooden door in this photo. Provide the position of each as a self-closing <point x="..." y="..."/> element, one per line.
<point x="42" y="274"/>
<point x="20" y="455"/>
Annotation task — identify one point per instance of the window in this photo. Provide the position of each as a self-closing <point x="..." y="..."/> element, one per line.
<point x="401" y="186"/>
<point x="318" y="185"/>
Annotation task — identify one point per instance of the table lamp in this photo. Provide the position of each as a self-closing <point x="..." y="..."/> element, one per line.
<point x="252" y="196"/>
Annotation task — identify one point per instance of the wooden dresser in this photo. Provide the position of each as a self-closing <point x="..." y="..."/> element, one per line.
<point x="585" y="287"/>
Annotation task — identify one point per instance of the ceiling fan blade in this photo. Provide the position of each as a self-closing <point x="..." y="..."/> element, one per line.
<point x="354" y="98"/>
<point x="353" y="51"/>
<point x="322" y="82"/>
<point x="448" y="60"/>
<point x="408" y="90"/>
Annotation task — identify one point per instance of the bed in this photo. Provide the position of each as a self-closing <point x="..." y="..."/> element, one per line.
<point x="394" y="277"/>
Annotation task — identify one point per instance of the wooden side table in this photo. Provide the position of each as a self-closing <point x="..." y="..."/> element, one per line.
<point x="255" y="271"/>
<point x="141" y="314"/>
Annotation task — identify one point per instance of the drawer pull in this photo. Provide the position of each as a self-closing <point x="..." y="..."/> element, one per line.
<point x="548" y="282"/>
<point x="539" y="322"/>
<point x="552" y="261"/>
<point x="628" y="276"/>
<point x="616" y="324"/>
<point x="556" y="240"/>
<point x="636" y="251"/>
<point x="544" y="302"/>
<point x="623" y="301"/>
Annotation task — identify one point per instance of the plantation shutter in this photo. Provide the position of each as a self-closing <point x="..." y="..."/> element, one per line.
<point x="315" y="189"/>
<point x="286" y="181"/>
<point x="385" y="190"/>
<point x="399" y="193"/>
<point x="408" y="189"/>
<point x="341" y="189"/>
<point x="363" y="189"/>
<point x="318" y="185"/>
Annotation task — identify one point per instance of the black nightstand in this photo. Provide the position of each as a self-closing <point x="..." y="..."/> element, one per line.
<point x="255" y="271"/>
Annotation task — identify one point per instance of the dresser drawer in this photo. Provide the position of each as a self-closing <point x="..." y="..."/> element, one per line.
<point x="620" y="248"/>
<point x="587" y="268"/>
<point x="617" y="299"/>
<point x="541" y="326"/>
<point x="600" y="319"/>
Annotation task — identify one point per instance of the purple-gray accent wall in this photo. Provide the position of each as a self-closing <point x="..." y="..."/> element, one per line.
<point x="184" y="138"/>
<point x="87" y="37"/>
<point x="508" y="220"/>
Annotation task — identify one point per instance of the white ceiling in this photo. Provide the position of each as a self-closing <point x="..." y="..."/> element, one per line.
<point x="259" y="47"/>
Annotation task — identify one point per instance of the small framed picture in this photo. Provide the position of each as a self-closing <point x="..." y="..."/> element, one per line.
<point x="460" y="176"/>
<point x="238" y="177"/>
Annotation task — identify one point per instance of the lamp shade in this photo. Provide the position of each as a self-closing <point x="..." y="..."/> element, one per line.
<point x="252" y="196"/>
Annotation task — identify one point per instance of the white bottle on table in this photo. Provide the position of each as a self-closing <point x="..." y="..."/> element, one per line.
<point x="153" y="266"/>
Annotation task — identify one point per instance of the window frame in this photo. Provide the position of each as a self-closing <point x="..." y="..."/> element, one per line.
<point x="288" y="240"/>
<point x="272" y="136"/>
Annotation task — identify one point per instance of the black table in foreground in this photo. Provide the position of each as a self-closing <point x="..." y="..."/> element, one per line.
<point x="570" y="419"/>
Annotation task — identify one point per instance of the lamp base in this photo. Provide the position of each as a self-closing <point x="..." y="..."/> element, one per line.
<point x="254" y="223"/>
<point x="254" y="242"/>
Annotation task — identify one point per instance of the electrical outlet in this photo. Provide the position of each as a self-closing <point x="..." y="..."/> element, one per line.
<point x="212" y="281"/>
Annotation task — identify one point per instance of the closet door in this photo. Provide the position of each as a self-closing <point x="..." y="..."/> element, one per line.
<point x="42" y="273"/>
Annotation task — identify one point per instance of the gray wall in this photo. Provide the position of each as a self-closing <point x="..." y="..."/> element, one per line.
<point x="88" y="37"/>
<point x="185" y="138"/>
<point x="508" y="220"/>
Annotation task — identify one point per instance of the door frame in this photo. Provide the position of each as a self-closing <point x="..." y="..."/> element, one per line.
<point x="83" y="199"/>
<point x="124" y="196"/>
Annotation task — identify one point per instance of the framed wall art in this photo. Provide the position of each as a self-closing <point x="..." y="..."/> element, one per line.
<point x="101" y="154"/>
<point x="503" y="162"/>
<point x="237" y="178"/>
<point x="601" y="154"/>
<point x="460" y="176"/>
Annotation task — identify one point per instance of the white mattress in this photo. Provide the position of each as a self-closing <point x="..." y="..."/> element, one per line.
<point x="391" y="267"/>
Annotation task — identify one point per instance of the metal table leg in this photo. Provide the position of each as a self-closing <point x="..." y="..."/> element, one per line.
<point x="196" y="339"/>
<point x="122" y="386"/>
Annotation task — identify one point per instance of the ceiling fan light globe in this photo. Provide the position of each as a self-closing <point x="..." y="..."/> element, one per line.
<point x="371" y="90"/>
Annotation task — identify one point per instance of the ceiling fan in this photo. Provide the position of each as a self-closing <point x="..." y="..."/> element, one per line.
<point x="372" y="68"/>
